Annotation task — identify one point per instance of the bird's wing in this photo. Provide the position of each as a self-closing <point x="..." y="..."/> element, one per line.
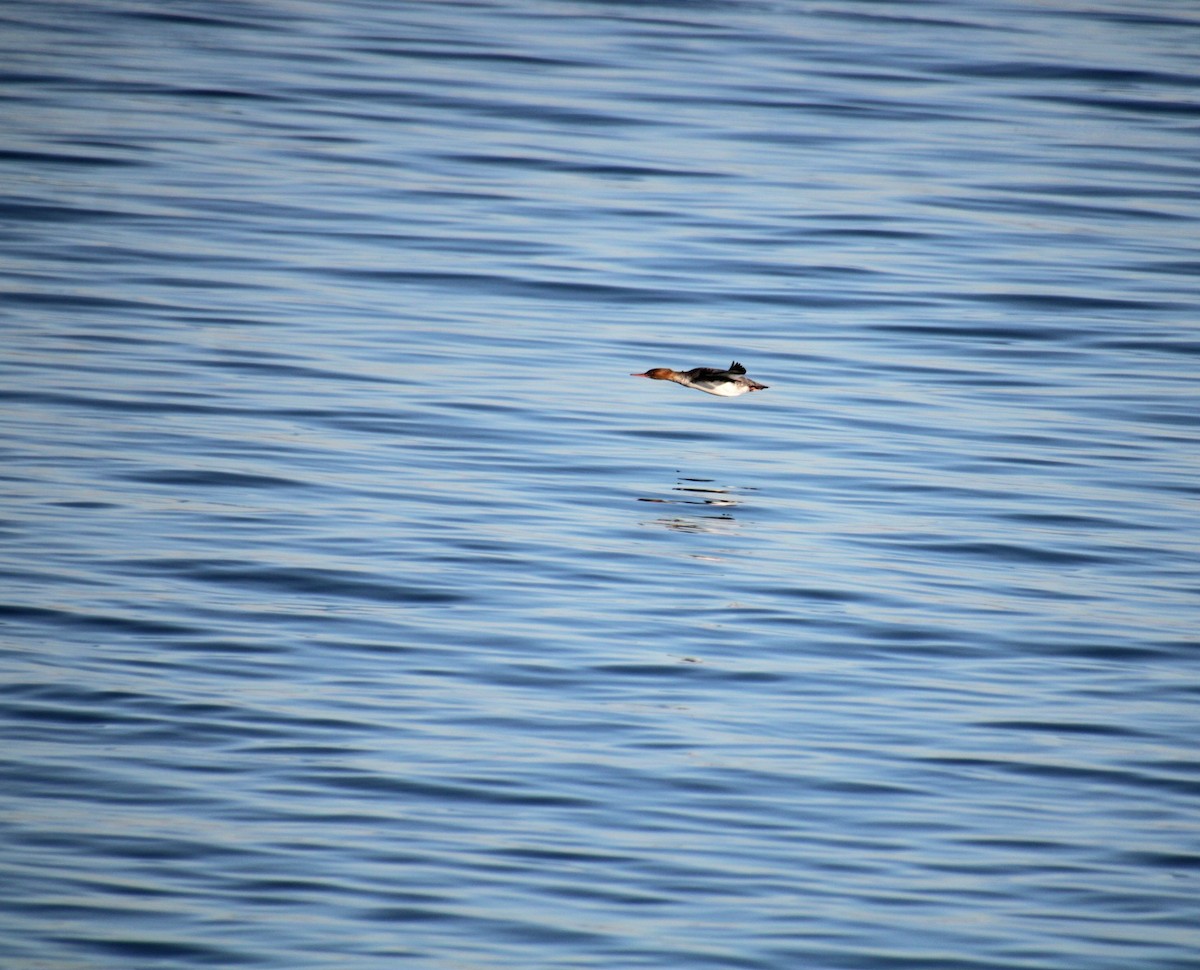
<point x="736" y="368"/>
<point x="707" y="374"/>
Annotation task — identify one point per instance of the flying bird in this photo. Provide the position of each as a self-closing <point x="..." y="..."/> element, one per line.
<point x="710" y="380"/>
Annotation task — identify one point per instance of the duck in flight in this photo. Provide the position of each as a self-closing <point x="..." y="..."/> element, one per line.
<point x="710" y="380"/>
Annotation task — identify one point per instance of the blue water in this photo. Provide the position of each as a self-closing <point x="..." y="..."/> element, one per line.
<point x="360" y="611"/>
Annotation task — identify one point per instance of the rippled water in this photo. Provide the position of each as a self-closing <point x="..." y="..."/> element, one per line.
<point x="360" y="611"/>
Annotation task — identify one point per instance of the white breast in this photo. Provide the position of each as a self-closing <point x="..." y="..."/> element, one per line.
<point x="726" y="389"/>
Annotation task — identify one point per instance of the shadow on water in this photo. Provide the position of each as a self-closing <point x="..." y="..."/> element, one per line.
<point x="705" y="495"/>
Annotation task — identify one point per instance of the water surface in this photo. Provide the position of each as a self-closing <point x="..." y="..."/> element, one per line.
<point x="360" y="611"/>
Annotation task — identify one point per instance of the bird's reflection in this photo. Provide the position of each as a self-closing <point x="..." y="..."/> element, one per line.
<point x="705" y="495"/>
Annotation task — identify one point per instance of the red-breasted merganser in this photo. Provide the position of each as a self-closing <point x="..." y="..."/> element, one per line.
<point x="710" y="380"/>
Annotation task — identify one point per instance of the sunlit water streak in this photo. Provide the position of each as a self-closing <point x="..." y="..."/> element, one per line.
<point x="360" y="611"/>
